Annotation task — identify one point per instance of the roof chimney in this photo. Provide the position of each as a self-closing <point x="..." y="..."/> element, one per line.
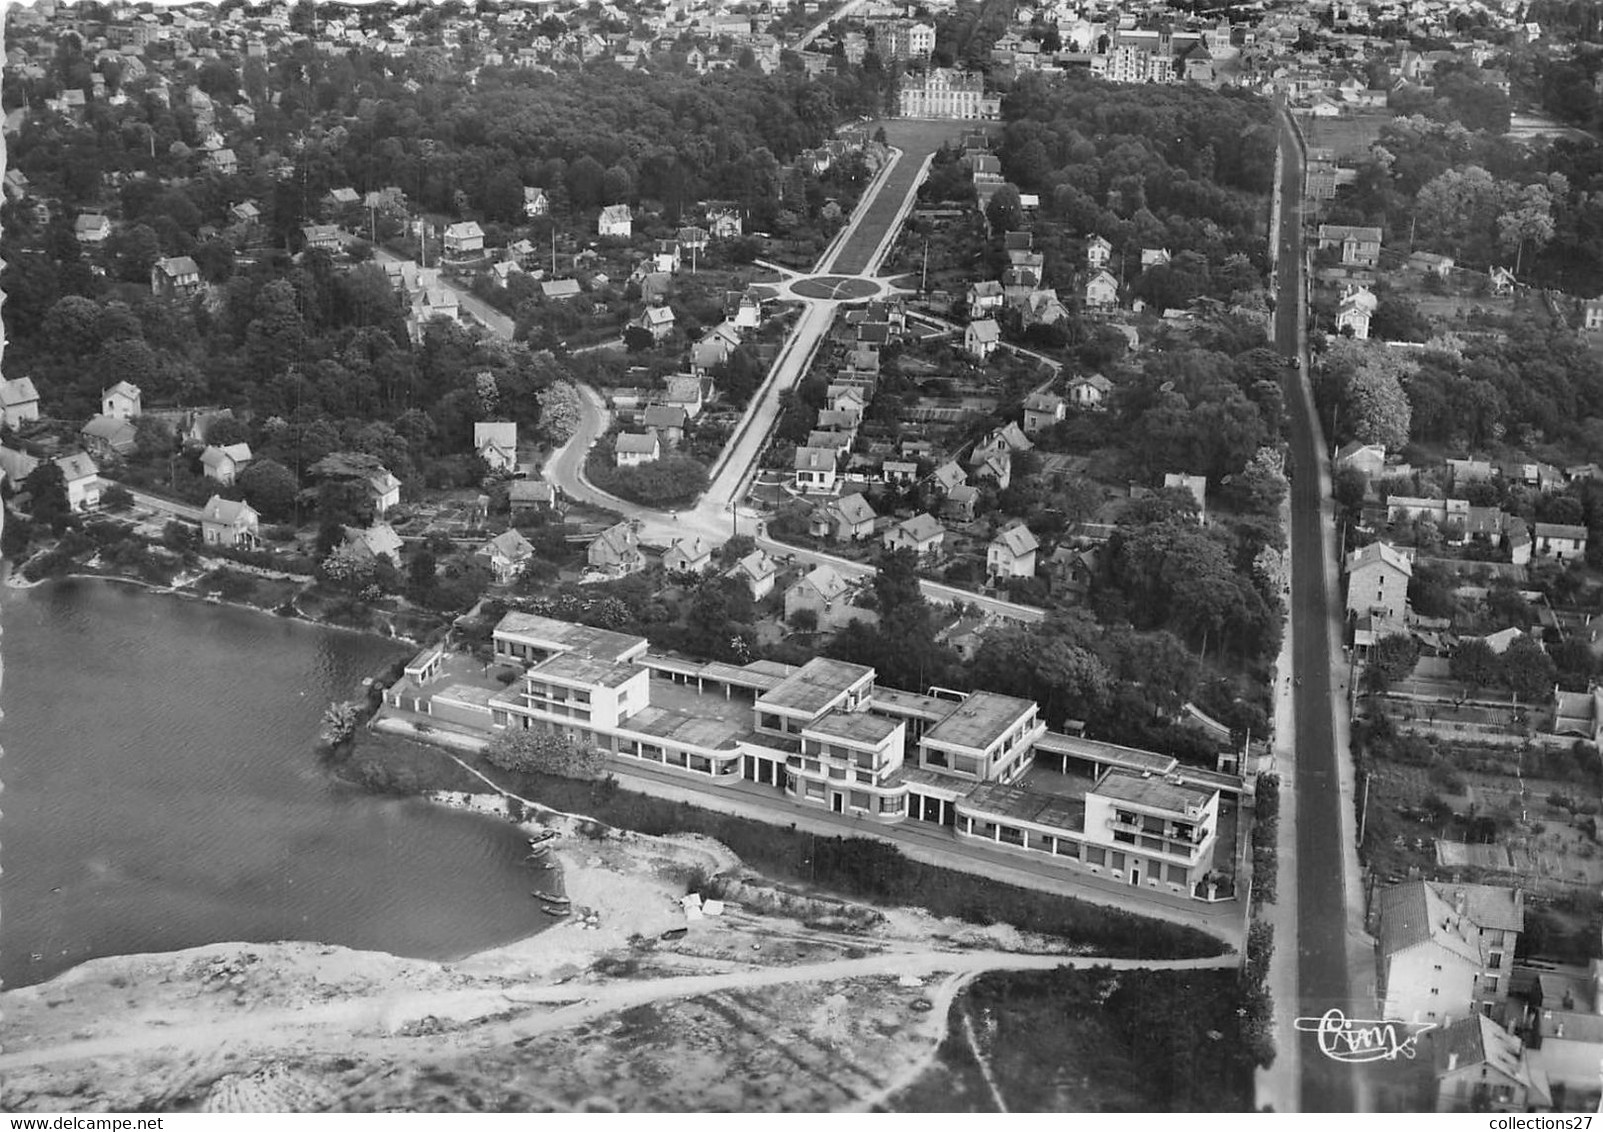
<point x="1452" y="1061"/>
<point x="1459" y="901"/>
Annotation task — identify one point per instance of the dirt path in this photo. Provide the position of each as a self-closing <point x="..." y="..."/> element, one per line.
<point x="984" y="1064"/>
<point x="371" y="1025"/>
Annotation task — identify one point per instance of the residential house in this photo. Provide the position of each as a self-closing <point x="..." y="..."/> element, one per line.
<point x="383" y="490"/>
<point x="615" y="221"/>
<point x="1481" y="1067"/>
<point x="19" y="401"/>
<point x="223" y="161"/>
<point x="1430" y="263"/>
<point x="922" y="534"/>
<point x="121" y="401"/>
<point x="560" y="290"/>
<point x="223" y="464"/>
<point x="1043" y="410"/>
<point x="535" y="202"/>
<point x="108" y="437"/>
<point x="658" y="321"/>
<point x="665" y="256"/>
<point x="1098" y="253"/>
<point x="667" y="421"/>
<point x="321" y="237"/>
<point x="635" y="448"/>
<point x="819" y="591"/>
<point x="961" y="503"/>
<point x="1196" y="485"/>
<point x="816" y="469"/>
<point x="376" y="541"/>
<point x="82" y="476"/>
<point x="1502" y="280"/>
<point x="948" y="476"/>
<point x="1353" y="313"/>
<point x="1462" y="473"/>
<point x="1561" y="542"/>
<point x="715" y="346"/>
<point x="1562" y="1023"/>
<point x="724" y="223"/>
<point x="533" y="495"/>
<point x="175" y="276"/>
<point x="616" y="551"/>
<point x="1377" y="581"/>
<point x="745" y="309"/>
<point x="1592" y="314"/>
<point x="1369" y="459"/>
<point x="1089" y="391"/>
<point x="757" y="572"/>
<point x="496" y="443"/>
<point x="686" y="392"/>
<point x="689" y="555"/>
<point x="981" y="338"/>
<point x="985" y="298"/>
<point x="1359" y="246"/>
<point x="1011" y="554"/>
<point x="229" y="522"/>
<point x="1154" y="257"/>
<point x="847" y="519"/>
<point x="507" y="554"/>
<point x="91" y="228"/>
<point x="1426" y="959"/>
<point x="1101" y="291"/>
<point x="464" y="238"/>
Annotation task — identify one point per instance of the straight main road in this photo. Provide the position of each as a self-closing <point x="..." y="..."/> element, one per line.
<point x="1319" y="869"/>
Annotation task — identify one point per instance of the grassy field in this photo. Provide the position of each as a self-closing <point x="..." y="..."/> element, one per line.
<point x="1348" y="137"/>
<point x="917" y="140"/>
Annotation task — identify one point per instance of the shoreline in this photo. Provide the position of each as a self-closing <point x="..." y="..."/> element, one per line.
<point x="15" y="581"/>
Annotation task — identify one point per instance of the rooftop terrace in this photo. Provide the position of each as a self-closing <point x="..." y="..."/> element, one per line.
<point x="551" y="635"/>
<point x="1016" y="804"/>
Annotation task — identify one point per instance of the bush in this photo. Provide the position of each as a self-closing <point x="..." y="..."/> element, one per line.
<point x="1265" y="833"/>
<point x="667" y="482"/>
<point x="546" y="753"/>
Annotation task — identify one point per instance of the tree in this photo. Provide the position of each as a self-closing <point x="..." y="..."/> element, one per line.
<point x="545" y="752"/>
<point x="559" y="411"/>
<point x="422" y="576"/>
<point x="1391" y="660"/>
<point x="1474" y="663"/>
<point x="1527" y="669"/>
<point x="47" y="486"/>
<point x="270" y="488"/>
<point x="340" y="720"/>
<point x="348" y="569"/>
<point x="116" y="498"/>
<point x="1375" y="407"/>
<point x="1004" y="213"/>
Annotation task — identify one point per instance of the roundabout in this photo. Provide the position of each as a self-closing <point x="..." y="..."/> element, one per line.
<point x="835" y="288"/>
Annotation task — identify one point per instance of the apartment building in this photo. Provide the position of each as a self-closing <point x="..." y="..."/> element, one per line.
<point x="980" y="764"/>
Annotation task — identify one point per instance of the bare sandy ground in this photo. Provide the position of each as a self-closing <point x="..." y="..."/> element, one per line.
<point x="745" y="1011"/>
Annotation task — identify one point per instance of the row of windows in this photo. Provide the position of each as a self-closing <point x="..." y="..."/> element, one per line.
<point x="1076" y="851"/>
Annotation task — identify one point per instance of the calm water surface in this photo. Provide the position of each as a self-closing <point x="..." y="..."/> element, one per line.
<point x="161" y="791"/>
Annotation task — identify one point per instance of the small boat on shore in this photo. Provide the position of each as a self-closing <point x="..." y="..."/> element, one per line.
<point x="543" y="836"/>
<point x="555" y="911"/>
<point x="675" y="933"/>
<point x="550" y="899"/>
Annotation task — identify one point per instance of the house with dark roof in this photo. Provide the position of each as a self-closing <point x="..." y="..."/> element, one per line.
<point x="19" y="401"/>
<point x="1445" y="951"/>
<point x="108" y="437"/>
<point x="1481" y="1067"/>
<point x="847" y="519"/>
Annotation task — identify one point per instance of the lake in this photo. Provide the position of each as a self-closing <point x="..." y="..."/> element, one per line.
<point x="162" y="790"/>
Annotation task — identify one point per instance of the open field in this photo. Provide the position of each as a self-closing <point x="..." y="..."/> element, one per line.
<point x="917" y="140"/>
<point x="1348" y="137"/>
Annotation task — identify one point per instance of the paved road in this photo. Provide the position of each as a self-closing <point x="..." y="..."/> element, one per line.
<point x="157" y="503"/>
<point x="1322" y="973"/>
<point x="817" y="29"/>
